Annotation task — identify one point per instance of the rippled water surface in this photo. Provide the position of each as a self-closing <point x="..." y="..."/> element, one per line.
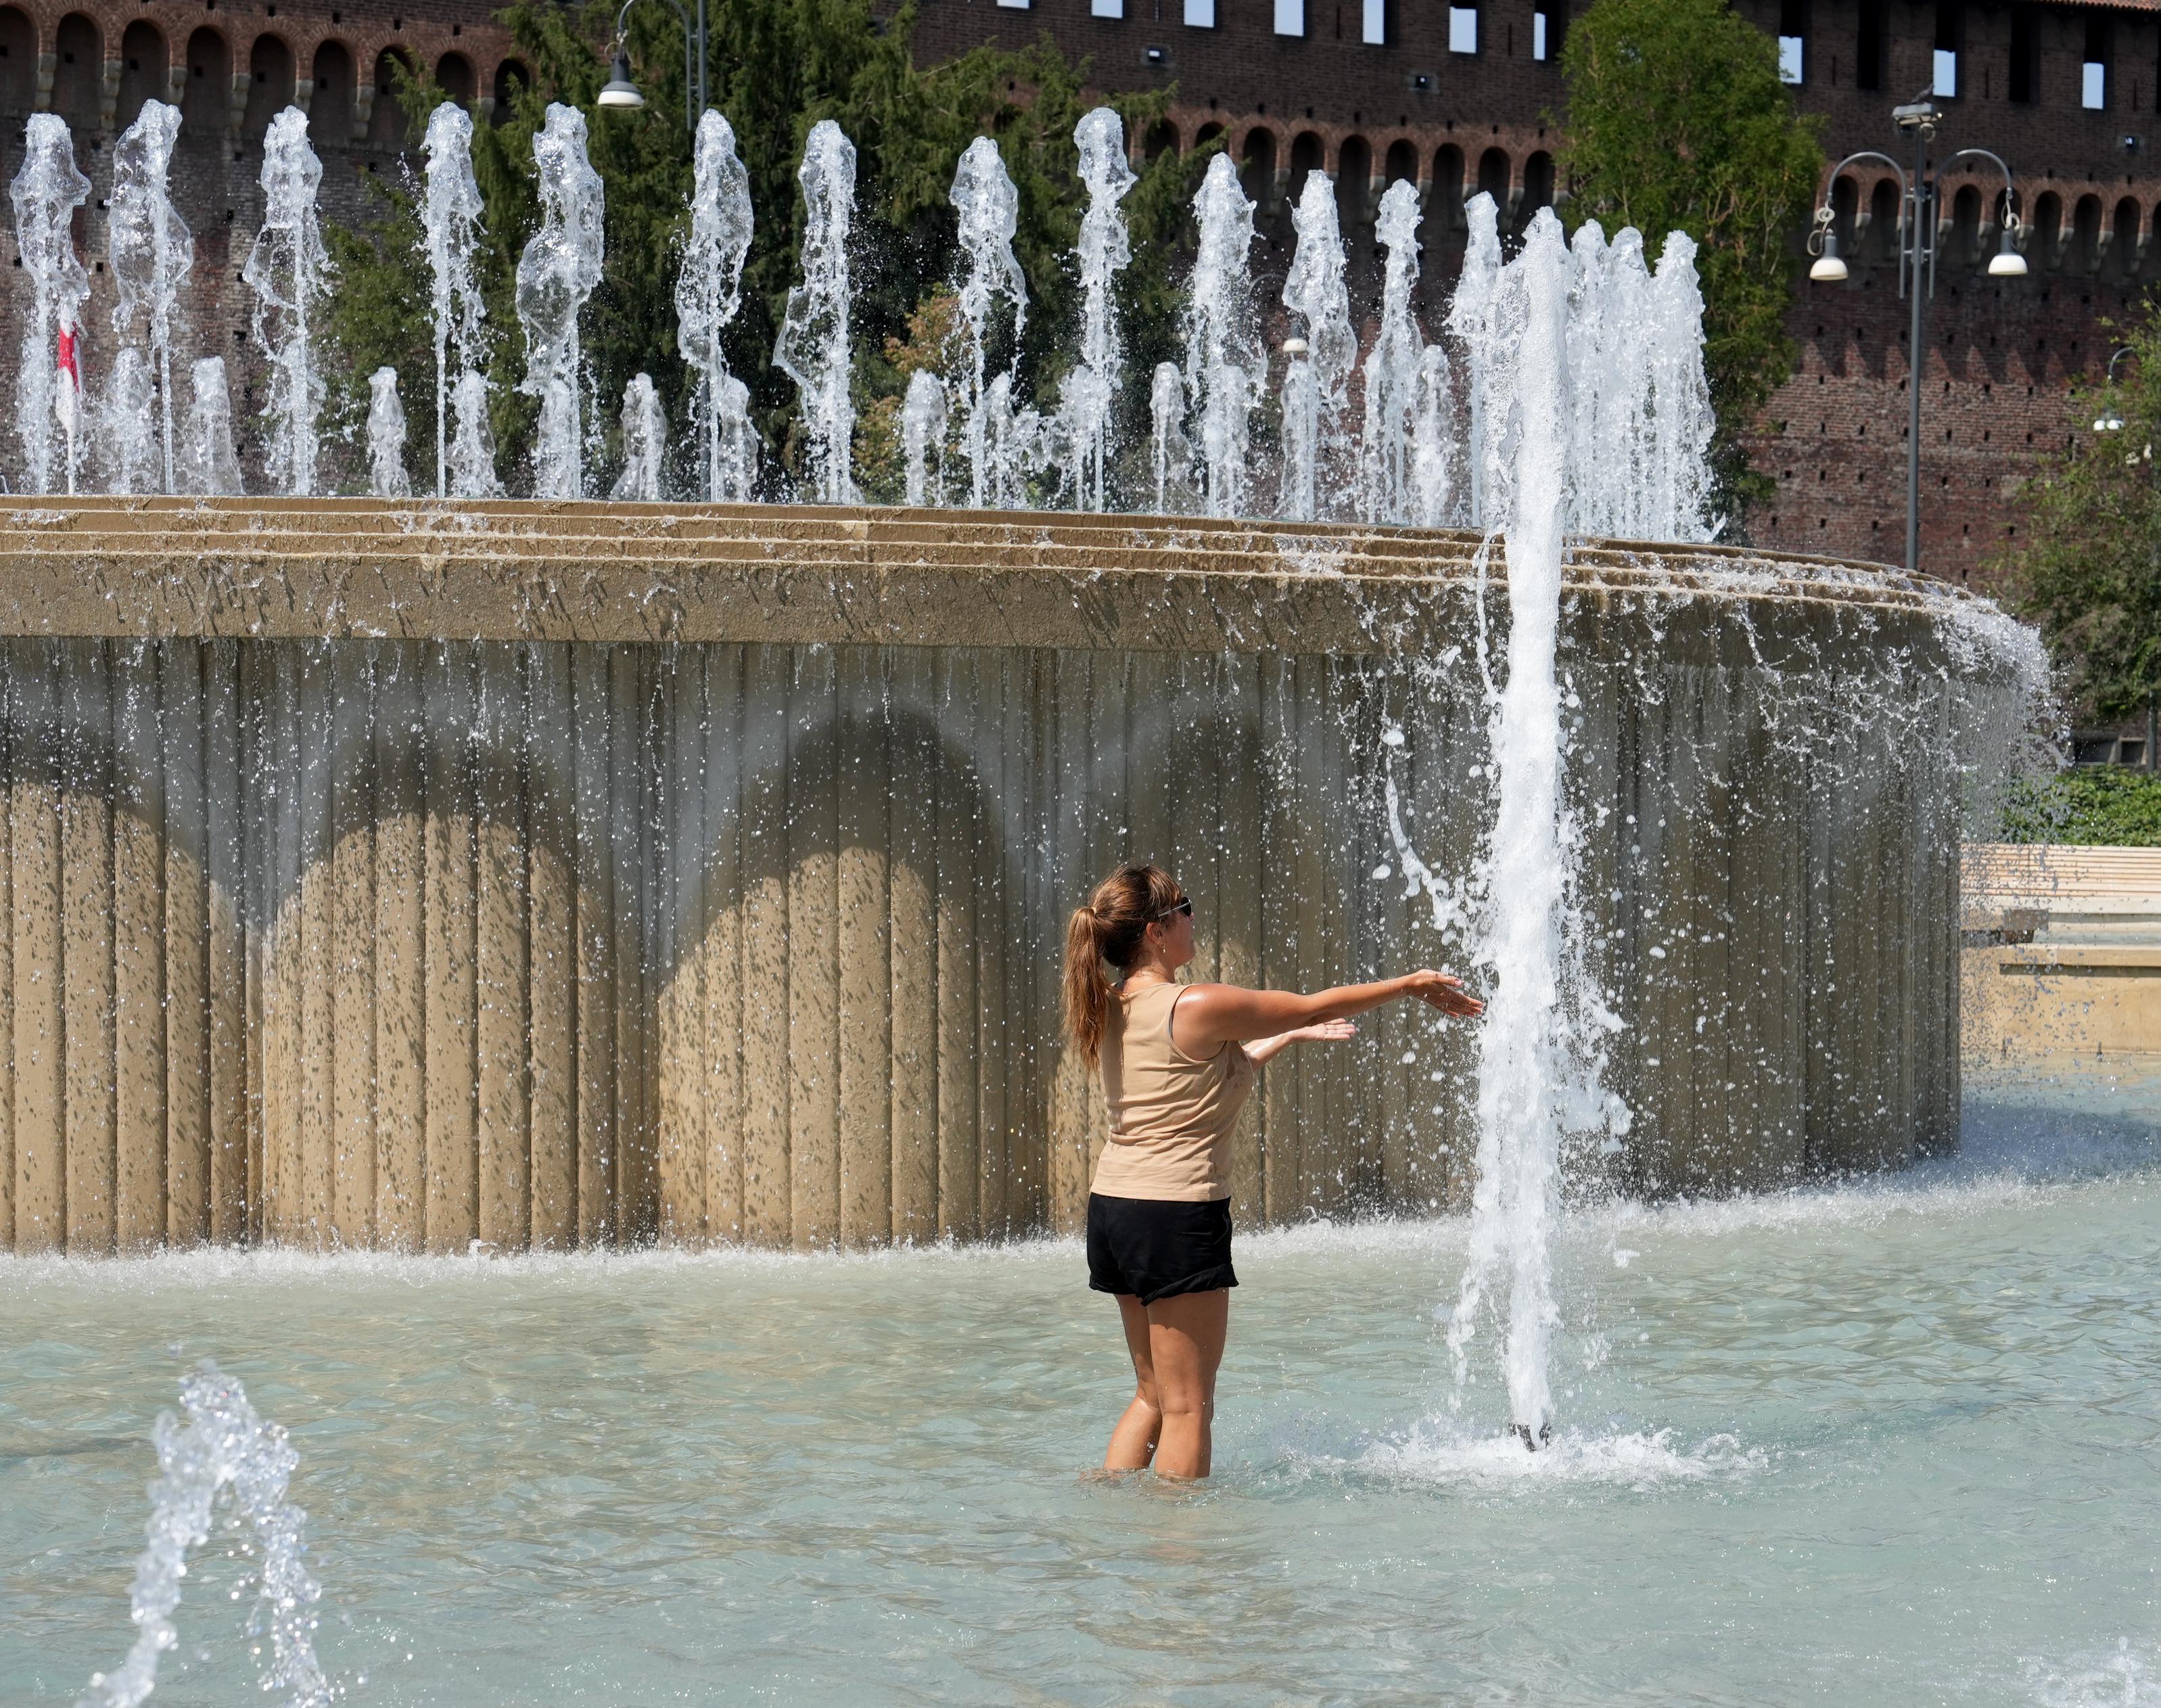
<point x="1898" y="1442"/>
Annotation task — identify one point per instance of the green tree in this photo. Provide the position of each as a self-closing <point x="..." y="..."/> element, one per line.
<point x="1677" y="121"/>
<point x="2088" y="570"/>
<point x="778" y="67"/>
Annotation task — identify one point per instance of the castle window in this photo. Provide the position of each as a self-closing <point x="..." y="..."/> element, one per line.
<point x="1200" y="14"/>
<point x="1944" y="84"/>
<point x="1106" y="8"/>
<point x="1463" y="29"/>
<point x="2025" y="54"/>
<point x="1548" y="24"/>
<point x="1868" y="46"/>
<point x="1793" y="40"/>
<point x="1374" y="26"/>
<point x="2093" y="75"/>
<point x="1290" y="16"/>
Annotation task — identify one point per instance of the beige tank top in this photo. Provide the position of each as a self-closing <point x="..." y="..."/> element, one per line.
<point x="1171" y="1116"/>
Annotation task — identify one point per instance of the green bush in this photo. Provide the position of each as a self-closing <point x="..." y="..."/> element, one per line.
<point x="2099" y="805"/>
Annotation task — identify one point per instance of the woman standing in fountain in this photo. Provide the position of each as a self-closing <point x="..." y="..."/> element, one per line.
<point x="1177" y="1062"/>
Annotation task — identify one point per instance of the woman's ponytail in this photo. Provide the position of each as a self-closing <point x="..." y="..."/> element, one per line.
<point x="1107" y="933"/>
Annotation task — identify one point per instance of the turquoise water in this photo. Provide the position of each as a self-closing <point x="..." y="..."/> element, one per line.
<point x="1896" y="1442"/>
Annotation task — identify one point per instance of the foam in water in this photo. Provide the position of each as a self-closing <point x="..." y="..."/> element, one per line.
<point x="289" y="272"/>
<point x="988" y="208"/>
<point x="126" y="429"/>
<point x="922" y="435"/>
<point x="149" y="252"/>
<point x="45" y="194"/>
<point x="1393" y="366"/>
<point x="450" y="222"/>
<point x="472" y="447"/>
<point x="558" y="271"/>
<point x="813" y="346"/>
<point x="225" y="1455"/>
<point x="385" y="437"/>
<point x="1225" y="367"/>
<point x="209" y="466"/>
<point x="1172" y="451"/>
<point x="708" y="293"/>
<point x="644" y="441"/>
<point x="1316" y="386"/>
<point x="1089" y="397"/>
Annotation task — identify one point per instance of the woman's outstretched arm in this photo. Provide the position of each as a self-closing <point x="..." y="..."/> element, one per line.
<point x="1260" y="1049"/>
<point x="1207" y="1016"/>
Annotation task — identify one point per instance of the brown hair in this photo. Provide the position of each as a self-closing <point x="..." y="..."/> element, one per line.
<point x="1108" y="931"/>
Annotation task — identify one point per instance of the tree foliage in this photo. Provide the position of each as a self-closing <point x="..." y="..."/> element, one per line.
<point x="777" y="68"/>
<point x="1678" y="121"/>
<point x="2089" y="569"/>
<point x="2099" y="805"/>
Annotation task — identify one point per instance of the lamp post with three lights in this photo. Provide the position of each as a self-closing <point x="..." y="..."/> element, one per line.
<point x="1917" y="264"/>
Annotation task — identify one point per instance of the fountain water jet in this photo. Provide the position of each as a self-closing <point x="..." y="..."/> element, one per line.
<point x="1317" y="388"/>
<point x="150" y="252"/>
<point x="922" y="433"/>
<point x="1225" y="367"/>
<point x="1471" y="322"/>
<point x="289" y="271"/>
<point x="126" y="425"/>
<point x="1392" y="367"/>
<point x="708" y="292"/>
<point x="1090" y="392"/>
<point x="209" y="466"/>
<point x="813" y="349"/>
<point x="451" y="215"/>
<point x="644" y="442"/>
<point x="1173" y="450"/>
<point x="46" y="192"/>
<point x="988" y="207"/>
<point x="385" y="437"/>
<point x="472" y="447"/>
<point x="558" y="271"/>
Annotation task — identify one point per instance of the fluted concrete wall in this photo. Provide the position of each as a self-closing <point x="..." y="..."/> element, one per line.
<point x="419" y="942"/>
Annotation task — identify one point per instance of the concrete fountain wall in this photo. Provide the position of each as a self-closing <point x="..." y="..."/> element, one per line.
<point x="553" y="876"/>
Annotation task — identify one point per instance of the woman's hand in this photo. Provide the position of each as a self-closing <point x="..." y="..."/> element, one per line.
<point x="1321" y="1032"/>
<point x="1443" y="991"/>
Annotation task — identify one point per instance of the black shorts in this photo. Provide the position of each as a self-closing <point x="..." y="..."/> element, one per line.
<point x="1158" y="1247"/>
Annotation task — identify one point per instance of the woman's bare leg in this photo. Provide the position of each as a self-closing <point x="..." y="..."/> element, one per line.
<point x="1133" y="1441"/>
<point x="1185" y="1345"/>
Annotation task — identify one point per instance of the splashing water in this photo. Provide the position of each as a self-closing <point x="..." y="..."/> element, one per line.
<point x="1433" y="441"/>
<point x="127" y="426"/>
<point x="1316" y="387"/>
<point x="558" y="271"/>
<point x="708" y="293"/>
<point x="1393" y="366"/>
<point x="472" y="448"/>
<point x="1173" y="452"/>
<point x="1534" y="1079"/>
<point x="150" y="252"/>
<point x="988" y="205"/>
<point x="1091" y="393"/>
<point x="644" y="441"/>
<point x="208" y="467"/>
<point x="922" y="432"/>
<point x="1014" y="446"/>
<point x="289" y="272"/>
<point x="812" y="349"/>
<point x="1472" y="322"/>
<point x="224" y="1454"/>
<point x="46" y="192"/>
<point x="385" y="437"/>
<point x="449" y="219"/>
<point x="1225" y="368"/>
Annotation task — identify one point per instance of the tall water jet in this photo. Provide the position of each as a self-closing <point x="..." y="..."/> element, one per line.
<point x="46" y="192"/>
<point x="988" y="205"/>
<point x="1173" y="450"/>
<point x="224" y="1454"/>
<point x="812" y="349"/>
<point x="126" y="435"/>
<point x="1090" y="392"/>
<point x="923" y="433"/>
<point x="1534" y="1079"/>
<point x="644" y="442"/>
<point x="472" y="446"/>
<point x="1473" y="316"/>
<point x="450" y="214"/>
<point x="209" y="466"/>
<point x="708" y="292"/>
<point x="559" y="269"/>
<point x="289" y="272"/>
<point x="1393" y="365"/>
<point x="1682" y="419"/>
<point x="1433" y="441"/>
<point x="150" y="252"/>
<point x="1014" y="446"/>
<point x="385" y="437"/>
<point x="1316" y="387"/>
<point x="1225" y="367"/>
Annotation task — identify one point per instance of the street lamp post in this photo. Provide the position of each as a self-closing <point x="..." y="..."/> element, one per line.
<point x="2111" y="420"/>
<point x="622" y="92"/>
<point x="1917" y="265"/>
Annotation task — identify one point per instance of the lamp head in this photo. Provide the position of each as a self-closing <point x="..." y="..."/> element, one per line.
<point x="1828" y="269"/>
<point x="619" y="91"/>
<point x="2007" y="262"/>
<point x="2110" y="422"/>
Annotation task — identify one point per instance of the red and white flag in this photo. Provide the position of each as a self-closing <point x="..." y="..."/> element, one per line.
<point x="69" y="375"/>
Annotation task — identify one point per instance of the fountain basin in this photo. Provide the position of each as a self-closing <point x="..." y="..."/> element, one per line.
<point x="546" y="875"/>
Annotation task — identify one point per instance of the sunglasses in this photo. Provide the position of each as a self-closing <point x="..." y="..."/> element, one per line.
<point x="1185" y="907"/>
